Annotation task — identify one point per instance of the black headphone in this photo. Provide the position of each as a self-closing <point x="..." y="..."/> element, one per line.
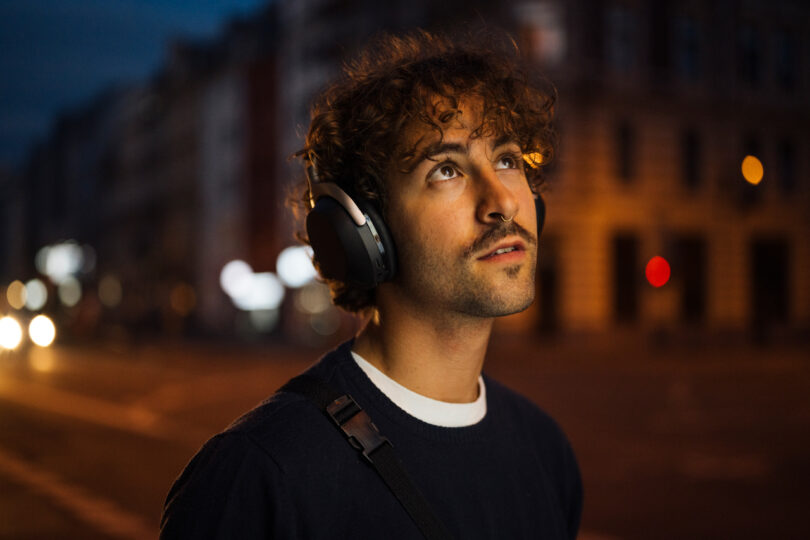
<point x="349" y="237"/>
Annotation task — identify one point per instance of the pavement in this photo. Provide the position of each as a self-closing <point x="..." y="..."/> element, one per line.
<point x="673" y="441"/>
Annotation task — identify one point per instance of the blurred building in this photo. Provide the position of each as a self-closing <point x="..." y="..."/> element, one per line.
<point x="12" y="229"/>
<point x="659" y="103"/>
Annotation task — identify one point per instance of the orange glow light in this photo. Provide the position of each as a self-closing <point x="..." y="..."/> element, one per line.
<point x="15" y="294"/>
<point x="533" y="159"/>
<point x="657" y="271"/>
<point x="752" y="170"/>
<point x="182" y="299"/>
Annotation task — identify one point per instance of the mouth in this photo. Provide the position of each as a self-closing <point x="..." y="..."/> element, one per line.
<point x="505" y="251"/>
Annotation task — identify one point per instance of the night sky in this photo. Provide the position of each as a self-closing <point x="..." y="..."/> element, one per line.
<point x="58" y="54"/>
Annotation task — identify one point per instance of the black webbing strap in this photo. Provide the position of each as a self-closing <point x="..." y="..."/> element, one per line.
<point x="363" y="435"/>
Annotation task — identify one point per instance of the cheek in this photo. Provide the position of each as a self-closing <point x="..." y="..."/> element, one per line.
<point x="429" y="232"/>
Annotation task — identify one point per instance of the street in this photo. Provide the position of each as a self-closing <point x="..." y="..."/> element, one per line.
<point x="672" y="443"/>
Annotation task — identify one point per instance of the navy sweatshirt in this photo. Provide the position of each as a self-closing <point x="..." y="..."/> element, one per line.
<point x="284" y="470"/>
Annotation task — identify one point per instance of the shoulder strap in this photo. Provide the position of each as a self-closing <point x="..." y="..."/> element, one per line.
<point x="363" y="435"/>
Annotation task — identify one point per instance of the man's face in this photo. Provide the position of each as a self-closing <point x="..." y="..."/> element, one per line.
<point x="464" y="222"/>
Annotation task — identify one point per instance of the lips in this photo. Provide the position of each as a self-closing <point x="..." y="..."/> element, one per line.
<point x="504" y="248"/>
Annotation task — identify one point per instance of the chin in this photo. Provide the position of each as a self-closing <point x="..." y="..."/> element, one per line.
<point x="515" y="307"/>
<point x="498" y="303"/>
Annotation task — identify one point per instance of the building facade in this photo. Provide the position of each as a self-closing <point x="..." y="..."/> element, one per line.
<point x="659" y="103"/>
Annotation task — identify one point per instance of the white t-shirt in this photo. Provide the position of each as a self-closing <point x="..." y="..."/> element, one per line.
<point x="431" y="411"/>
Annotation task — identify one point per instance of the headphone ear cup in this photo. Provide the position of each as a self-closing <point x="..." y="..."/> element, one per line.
<point x="388" y="252"/>
<point x="540" y="210"/>
<point x="347" y="252"/>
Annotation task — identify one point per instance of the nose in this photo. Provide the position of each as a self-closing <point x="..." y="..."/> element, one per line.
<point x="496" y="202"/>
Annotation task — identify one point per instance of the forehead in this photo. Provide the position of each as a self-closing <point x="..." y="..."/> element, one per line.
<point x="445" y="120"/>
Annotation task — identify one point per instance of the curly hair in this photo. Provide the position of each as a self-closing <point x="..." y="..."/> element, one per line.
<point x="355" y="137"/>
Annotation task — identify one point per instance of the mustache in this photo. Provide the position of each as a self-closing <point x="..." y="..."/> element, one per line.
<point x="501" y="230"/>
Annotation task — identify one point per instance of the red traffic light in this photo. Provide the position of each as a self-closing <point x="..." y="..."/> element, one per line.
<point x="657" y="271"/>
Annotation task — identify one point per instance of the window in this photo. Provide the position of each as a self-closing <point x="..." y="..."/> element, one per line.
<point x="748" y="60"/>
<point x="691" y="158"/>
<point x="689" y="264"/>
<point x="770" y="279"/>
<point x="542" y="31"/>
<point x="686" y="38"/>
<point x="625" y="277"/>
<point x="785" y="61"/>
<point x="625" y="152"/>
<point x="786" y="162"/>
<point x="623" y="45"/>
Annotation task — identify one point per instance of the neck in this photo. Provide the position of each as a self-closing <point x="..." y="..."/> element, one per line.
<point x="437" y="356"/>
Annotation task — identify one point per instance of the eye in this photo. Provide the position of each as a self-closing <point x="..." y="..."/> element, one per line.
<point x="443" y="172"/>
<point x="508" y="161"/>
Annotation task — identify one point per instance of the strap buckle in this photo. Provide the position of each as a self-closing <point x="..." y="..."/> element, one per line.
<point x="356" y="425"/>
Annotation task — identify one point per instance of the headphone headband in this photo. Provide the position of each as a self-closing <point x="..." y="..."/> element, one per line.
<point x="330" y="189"/>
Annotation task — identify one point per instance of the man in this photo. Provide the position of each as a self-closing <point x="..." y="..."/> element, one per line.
<point x="437" y="145"/>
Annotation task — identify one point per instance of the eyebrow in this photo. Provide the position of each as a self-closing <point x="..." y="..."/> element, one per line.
<point x="503" y="140"/>
<point x="448" y="148"/>
<point x="441" y="148"/>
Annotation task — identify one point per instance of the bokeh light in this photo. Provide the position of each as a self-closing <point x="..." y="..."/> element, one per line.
<point x="752" y="170"/>
<point x="15" y="294"/>
<point x="264" y="320"/>
<point x="657" y="271"/>
<point x="41" y="259"/>
<point x="235" y="278"/>
<point x="313" y="298"/>
<point x="69" y="291"/>
<point x="42" y="331"/>
<point x="262" y="291"/>
<point x="294" y="266"/>
<point x="88" y="259"/>
<point x="325" y="323"/>
<point x="10" y="333"/>
<point x="36" y="295"/>
<point x="109" y="291"/>
<point x="182" y="299"/>
<point x="60" y="261"/>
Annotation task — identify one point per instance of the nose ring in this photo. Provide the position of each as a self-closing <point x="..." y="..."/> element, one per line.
<point x="504" y="219"/>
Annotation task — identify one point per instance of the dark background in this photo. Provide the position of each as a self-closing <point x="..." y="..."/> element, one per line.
<point x="145" y="145"/>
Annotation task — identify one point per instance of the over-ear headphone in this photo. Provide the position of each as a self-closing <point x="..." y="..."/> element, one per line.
<point x="350" y="238"/>
<point x="348" y="235"/>
<point x="540" y="211"/>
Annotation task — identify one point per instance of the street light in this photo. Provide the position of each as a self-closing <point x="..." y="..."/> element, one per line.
<point x="752" y="170"/>
<point x="42" y="331"/>
<point x="10" y="333"/>
<point x="294" y="266"/>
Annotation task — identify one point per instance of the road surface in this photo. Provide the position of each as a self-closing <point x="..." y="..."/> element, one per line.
<point x="672" y="443"/>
